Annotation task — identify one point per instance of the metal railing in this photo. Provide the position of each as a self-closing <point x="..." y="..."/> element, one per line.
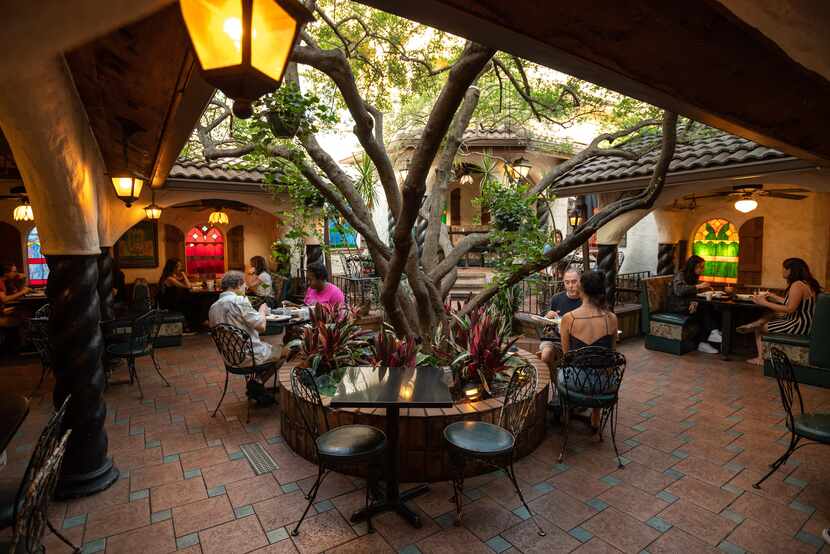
<point x="537" y="290"/>
<point x="359" y="291"/>
<point x="628" y="286"/>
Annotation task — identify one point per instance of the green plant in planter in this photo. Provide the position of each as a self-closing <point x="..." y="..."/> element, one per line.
<point x="487" y="355"/>
<point x="390" y="351"/>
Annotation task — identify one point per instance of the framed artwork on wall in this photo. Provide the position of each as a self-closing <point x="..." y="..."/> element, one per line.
<point x="138" y="247"/>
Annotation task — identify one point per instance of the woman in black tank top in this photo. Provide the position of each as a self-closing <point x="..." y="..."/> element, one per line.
<point x="592" y="324"/>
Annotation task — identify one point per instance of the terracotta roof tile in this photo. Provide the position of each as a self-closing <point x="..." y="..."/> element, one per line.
<point x="215" y="171"/>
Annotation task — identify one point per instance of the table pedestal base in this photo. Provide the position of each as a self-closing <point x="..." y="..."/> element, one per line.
<point x="398" y="505"/>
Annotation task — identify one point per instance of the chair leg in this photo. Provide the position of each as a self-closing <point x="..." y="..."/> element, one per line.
<point x="613" y="413"/>
<point x="566" y="413"/>
<point x="780" y="461"/>
<point x="158" y="369"/>
<point x="63" y="539"/>
<point x="371" y="484"/>
<point x="321" y="473"/>
<point x="511" y="473"/>
<point x="458" y="463"/>
<point x="225" y="390"/>
<point x="137" y="380"/>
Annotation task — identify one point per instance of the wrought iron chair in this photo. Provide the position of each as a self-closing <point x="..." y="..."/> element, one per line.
<point x="814" y="427"/>
<point x="25" y="508"/>
<point x="43" y="312"/>
<point x="237" y="350"/>
<point x="590" y="377"/>
<point x="144" y="330"/>
<point x="39" y="337"/>
<point x="491" y="444"/>
<point x="347" y="445"/>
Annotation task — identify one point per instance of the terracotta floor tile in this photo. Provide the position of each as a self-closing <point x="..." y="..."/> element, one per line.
<point x="129" y="460"/>
<point x="202" y="514"/>
<point x="183" y="443"/>
<point x="399" y="533"/>
<point x="666" y="442"/>
<point x="675" y="541"/>
<point x="485" y="518"/>
<point x="254" y="489"/>
<point x="227" y="472"/>
<point x="282" y="547"/>
<point x="293" y="469"/>
<point x="453" y="539"/>
<point x="633" y="501"/>
<point x="702" y="524"/>
<point x="579" y="484"/>
<point x="759" y="539"/>
<point x="433" y="503"/>
<point x="54" y="545"/>
<point x="596" y="546"/>
<point x="526" y="539"/>
<point x="335" y="484"/>
<point x="643" y="477"/>
<point x="651" y="457"/>
<point x="117" y="519"/>
<point x="703" y="494"/>
<point x="769" y="513"/>
<point x="502" y="491"/>
<point x="118" y="493"/>
<point x="177" y="493"/>
<point x="153" y="539"/>
<point x="705" y="470"/>
<point x="153" y="476"/>
<point x="373" y="543"/>
<point x="323" y="531"/>
<point x="203" y="458"/>
<point x="281" y="511"/>
<point x="621" y="530"/>
<point x="562" y="509"/>
<point x="240" y="536"/>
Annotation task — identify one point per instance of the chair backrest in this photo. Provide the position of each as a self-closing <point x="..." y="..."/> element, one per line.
<point x="39" y="337"/>
<point x="787" y="385"/>
<point x="144" y="330"/>
<point x="142" y="301"/>
<point x="234" y="344"/>
<point x="519" y="399"/>
<point x="310" y="405"/>
<point x="32" y="511"/>
<point x="653" y="297"/>
<point x="593" y="370"/>
<point x="43" y="312"/>
<point x="819" y="345"/>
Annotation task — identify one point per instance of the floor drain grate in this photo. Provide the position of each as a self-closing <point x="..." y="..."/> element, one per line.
<point x="260" y="460"/>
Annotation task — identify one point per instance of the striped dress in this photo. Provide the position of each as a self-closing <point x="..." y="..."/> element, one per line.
<point x="800" y="322"/>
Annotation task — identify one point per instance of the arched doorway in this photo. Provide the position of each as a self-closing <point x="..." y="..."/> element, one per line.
<point x="10" y="252"/>
<point x="751" y="262"/>
<point x="236" y="248"/>
<point x="205" y="250"/>
<point x="173" y="242"/>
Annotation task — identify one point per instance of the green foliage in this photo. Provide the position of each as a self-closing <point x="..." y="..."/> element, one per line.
<point x="367" y="178"/>
<point x="333" y="340"/>
<point x="390" y="351"/>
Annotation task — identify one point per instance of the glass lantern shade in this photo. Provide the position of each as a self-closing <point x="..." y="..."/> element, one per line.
<point x="575" y="217"/>
<point x="243" y="46"/>
<point x="128" y="189"/>
<point x="519" y="169"/>
<point x="218" y="218"/>
<point x="746" y="205"/>
<point x="23" y="213"/>
<point x="153" y="211"/>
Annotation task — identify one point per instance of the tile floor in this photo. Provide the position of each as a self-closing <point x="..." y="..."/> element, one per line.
<point x="695" y="433"/>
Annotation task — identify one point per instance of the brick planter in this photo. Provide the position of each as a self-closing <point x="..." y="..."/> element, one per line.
<point x="422" y="448"/>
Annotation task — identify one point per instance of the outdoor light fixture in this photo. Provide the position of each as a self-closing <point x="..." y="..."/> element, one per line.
<point x="243" y="46"/>
<point x="218" y="218"/>
<point x="23" y="212"/>
<point x="746" y="205"/>
<point x="519" y="169"/>
<point x="127" y="184"/>
<point x="153" y="211"/>
<point x="472" y="392"/>
<point x="575" y="218"/>
<point x="466" y="179"/>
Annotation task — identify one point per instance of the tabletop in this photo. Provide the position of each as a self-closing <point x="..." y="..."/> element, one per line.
<point x="13" y="410"/>
<point x="393" y="387"/>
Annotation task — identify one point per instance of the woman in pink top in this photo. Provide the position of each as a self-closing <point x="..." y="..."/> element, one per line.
<point x="320" y="291"/>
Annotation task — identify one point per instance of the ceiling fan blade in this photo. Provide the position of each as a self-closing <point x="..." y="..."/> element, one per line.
<point x="788" y="190"/>
<point x="15" y="196"/>
<point x="713" y="195"/>
<point x="776" y="194"/>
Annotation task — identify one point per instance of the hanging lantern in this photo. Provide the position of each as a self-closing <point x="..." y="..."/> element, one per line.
<point x="153" y="211"/>
<point x="23" y="212"/>
<point x="218" y="218"/>
<point x="746" y="205"/>
<point x="127" y="188"/>
<point x="575" y="218"/>
<point x="243" y="46"/>
<point x="466" y="179"/>
<point x="519" y="169"/>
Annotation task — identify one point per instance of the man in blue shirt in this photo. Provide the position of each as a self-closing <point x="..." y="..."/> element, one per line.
<point x="561" y="303"/>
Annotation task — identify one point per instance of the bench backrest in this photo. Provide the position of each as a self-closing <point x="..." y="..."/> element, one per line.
<point x="819" y="343"/>
<point x="653" y="297"/>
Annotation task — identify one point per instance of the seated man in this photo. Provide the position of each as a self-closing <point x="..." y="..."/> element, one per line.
<point x="234" y="308"/>
<point x="561" y="303"/>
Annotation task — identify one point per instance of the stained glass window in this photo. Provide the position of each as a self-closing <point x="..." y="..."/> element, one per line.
<point x="204" y="250"/>
<point x="341" y="234"/>
<point x="716" y="241"/>
<point x="38" y="269"/>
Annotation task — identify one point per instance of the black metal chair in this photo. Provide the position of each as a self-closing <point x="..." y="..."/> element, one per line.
<point x="490" y="444"/>
<point x="25" y="507"/>
<point x="590" y="377"/>
<point x="39" y="337"/>
<point x="347" y="445"/>
<point x="237" y="350"/>
<point x="814" y="427"/>
<point x="43" y="312"/>
<point x="140" y="342"/>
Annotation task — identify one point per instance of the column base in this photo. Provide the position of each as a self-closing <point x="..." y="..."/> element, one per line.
<point x="76" y="486"/>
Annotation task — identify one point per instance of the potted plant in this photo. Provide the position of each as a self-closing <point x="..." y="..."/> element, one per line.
<point x="390" y="351"/>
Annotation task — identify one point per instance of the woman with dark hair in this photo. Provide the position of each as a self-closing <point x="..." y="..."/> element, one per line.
<point x="591" y="324"/>
<point x="174" y="291"/>
<point x="319" y="290"/>
<point x="682" y="299"/>
<point x="259" y="279"/>
<point x="791" y="315"/>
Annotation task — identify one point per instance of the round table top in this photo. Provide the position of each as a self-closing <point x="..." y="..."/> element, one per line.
<point x="13" y="411"/>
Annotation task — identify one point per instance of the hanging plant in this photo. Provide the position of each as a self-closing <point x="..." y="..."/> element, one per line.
<point x="289" y="112"/>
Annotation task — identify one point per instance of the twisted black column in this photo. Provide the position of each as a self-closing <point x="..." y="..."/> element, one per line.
<point x="607" y="263"/>
<point x="77" y="344"/>
<point x="105" y="277"/>
<point x="665" y="259"/>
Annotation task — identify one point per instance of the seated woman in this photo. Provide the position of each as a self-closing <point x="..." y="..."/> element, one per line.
<point x="682" y="299"/>
<point x="591" y="324"/>
<point x="259" y="281"/>
<point x="791" y="315"/>
<point x="12" y="284"/>
<point x="174" y="287"/>
<point x="319" y="290"/>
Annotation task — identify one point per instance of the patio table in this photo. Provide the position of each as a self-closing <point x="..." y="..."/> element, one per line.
<point x="392" y="389"/>
<point x="13" y="411"/>
<point x="727" y="307"/>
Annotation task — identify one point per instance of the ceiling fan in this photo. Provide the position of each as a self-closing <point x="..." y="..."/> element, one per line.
<point x="747" y="195"/>
<point x="23" y="212"/>
<point x="18" y="192"/>
<point x="216" y="205"/>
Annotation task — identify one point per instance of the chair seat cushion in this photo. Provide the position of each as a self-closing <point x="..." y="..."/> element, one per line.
<point x="671" y="318"/>
<point x="247" y="370"/>
<point x="350" y="441"/>
<point x="8" y="496"/>
<point x="479" y="437"/>
<point x="578" y="392"/>
<point x="793" y="340"/>
<point x="814" y="427"/>
<point x="124" y="349"/>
